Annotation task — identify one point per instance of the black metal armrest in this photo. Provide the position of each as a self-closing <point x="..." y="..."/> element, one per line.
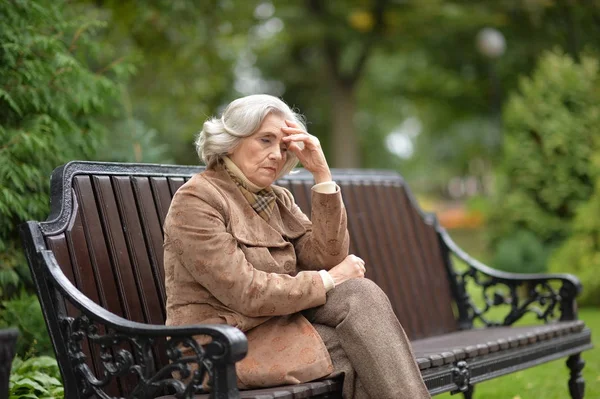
<point x="127" y="347"/>
<point x="548" y="296"/>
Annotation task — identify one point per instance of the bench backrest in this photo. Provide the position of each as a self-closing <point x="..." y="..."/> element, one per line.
<point x="105" y="230"/>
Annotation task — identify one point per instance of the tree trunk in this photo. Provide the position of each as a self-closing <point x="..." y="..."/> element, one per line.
<point x="344" y="137"/>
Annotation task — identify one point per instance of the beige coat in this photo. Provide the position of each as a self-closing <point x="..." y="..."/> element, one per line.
<point x="225" y="264"/>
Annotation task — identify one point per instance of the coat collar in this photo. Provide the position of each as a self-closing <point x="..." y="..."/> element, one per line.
<point x="245" y="224"/>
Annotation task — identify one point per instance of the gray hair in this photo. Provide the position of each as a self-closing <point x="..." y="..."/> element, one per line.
<point x="242" y="117"/>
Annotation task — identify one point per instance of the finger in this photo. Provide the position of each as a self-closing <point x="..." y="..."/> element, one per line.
<point x="296" y="149"/>
<point x="293" y="130"/>
<point x="291" y="123"/>
<point x="303" y="137"/>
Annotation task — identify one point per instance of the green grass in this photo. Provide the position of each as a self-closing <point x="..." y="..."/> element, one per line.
<point x="547" y="381"/>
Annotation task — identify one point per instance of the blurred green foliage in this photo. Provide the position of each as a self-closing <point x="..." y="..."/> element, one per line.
<point x="52" y="108"/>
<point x="24" y="312"/>
<point x="521" y="252"/>
<point x="580" y="253"/>
<point x="38" y="377"/>
<point x="549" y="145"/>
<point x="185" y="52"/>
<point x="358" y="69"/>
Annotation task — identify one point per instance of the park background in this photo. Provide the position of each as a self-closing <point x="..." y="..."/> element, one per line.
<point x="489" y="109"/>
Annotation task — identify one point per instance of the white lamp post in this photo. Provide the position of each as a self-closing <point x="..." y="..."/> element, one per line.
<point x="491" y="43"/>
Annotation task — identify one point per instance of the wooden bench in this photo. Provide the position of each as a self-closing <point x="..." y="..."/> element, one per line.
<point x="97" y="264"/>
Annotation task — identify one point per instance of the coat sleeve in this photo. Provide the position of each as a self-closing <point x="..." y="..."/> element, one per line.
<point x="195" y="230"/>
<point x="326" y="241"/>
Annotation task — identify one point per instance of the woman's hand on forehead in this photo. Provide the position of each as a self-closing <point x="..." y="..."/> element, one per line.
<point x="308" y="150"/>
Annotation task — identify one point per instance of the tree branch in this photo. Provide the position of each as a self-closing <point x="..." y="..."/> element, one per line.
<point x="332" y="47"/>
<point x="329" y="45"/>
<point x="378" y="28"/>
<point x="109" y="66"/>
<point x="572" y="40"/>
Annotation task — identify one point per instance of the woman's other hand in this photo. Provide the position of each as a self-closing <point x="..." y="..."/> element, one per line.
<point x="310" y="153"/>
<point x="351" y="267"/>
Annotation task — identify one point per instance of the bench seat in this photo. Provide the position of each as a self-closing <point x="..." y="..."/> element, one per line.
<point x="487" y="352"/>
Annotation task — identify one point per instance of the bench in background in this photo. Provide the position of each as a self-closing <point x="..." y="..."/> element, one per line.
<point x="98" y="266"/>
<point x="8" y="347"/>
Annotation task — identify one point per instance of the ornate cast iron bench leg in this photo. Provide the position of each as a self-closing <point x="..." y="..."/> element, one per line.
<point x="576" y="382"/>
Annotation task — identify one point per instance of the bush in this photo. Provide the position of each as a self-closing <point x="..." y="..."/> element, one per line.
<point x="56" y="93"/>
<point x="550" y="136"/>
<point x="523" y="252"/>
<point x="38" y="377"/>
<point x="580" y="254"/>
<point x="24" y="312"/>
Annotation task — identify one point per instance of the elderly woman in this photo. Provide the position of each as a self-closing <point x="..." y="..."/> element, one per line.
<point x="238" y="250"/>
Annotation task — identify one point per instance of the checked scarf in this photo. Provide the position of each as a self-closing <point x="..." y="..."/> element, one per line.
<point x="262" y="201"/>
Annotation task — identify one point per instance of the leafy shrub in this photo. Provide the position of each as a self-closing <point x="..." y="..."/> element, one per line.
<point x="522" y="252"/>
<point x="24" y="312"/>
<point x="550" y="136"/>
<point x="38" y="377"/>
<point x="56" y="94"/>
<point x="580" y="254"/>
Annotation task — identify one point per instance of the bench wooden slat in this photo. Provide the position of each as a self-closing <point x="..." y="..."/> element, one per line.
<point x="58" y="245"/>
<point x="439" y="280"/>
<point x="174" y="184"/>
<point x="162" y="197"/>
<point x="152" y="229"/>
<point x="153" y="308"/>
<point x="125" y="281"/>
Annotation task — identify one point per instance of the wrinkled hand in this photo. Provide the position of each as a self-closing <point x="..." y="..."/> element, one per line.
<point x="351" y="267"/>
<point x="309" y="153"/>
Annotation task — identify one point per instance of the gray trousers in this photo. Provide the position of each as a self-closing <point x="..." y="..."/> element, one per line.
<point x="367" y="343"/>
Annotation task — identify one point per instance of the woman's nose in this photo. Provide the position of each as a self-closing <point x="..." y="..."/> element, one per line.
<point x="276" y="154"/>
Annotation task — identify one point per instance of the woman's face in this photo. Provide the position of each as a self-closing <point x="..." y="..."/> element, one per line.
<point x="262" y="155"/>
